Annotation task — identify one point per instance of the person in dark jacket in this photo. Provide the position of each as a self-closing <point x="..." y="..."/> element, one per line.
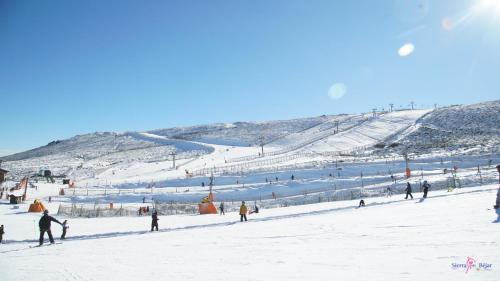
<point x="426" y="187"/>
<point x="361" y="203"/>
<point x="154" y="222"/>
<point x="64" y="229"/>
<point x="497" y="206"/>
<point x="408" y="190"/>
<point x="221" y="208"/>
<point x="2" y="232"/>
<point x="44" y="225"/>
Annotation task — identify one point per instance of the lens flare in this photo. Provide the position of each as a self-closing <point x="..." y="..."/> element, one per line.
<point x="337" y="91"/>
<point x="406" y="50"/>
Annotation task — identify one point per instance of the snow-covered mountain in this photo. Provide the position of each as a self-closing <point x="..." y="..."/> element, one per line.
<point x="242" y="133"/>
<point x="132" y="155"/>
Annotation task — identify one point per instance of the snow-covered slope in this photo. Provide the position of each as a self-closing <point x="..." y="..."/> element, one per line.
<point x="241" y="133"/>
<point x="369" y="132"/>
<point x="454" y="127"/>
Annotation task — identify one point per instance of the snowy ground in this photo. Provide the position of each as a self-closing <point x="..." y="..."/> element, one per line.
<point x="390" y="239"/>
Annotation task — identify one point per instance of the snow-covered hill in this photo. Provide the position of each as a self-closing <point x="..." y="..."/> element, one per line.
<point x="454" y="128"/>
<point x="242" y="133"/>
<point x="147" y="156"/>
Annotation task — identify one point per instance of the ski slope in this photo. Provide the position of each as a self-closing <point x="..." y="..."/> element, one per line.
<point x="371" y="132"/>
<point x="390" y="239"/>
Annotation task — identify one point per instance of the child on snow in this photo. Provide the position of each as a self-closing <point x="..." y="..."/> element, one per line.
<point x="64" y="229"/>
<point x="154" y="221"/>
<point x="426" y="187"/>
<point x="361" y="203"/>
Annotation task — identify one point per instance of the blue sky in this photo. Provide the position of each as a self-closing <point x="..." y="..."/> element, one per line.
<point x="73" y="67"/>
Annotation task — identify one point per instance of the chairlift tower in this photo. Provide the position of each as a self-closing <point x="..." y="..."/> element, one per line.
<point x="261" y="144"/>
<point x="173" y="159"/>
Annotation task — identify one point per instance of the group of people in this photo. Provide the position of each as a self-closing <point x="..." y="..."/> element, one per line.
<point x="408" y="190"/>
<point x="425" y="188"/>
<point x="244" y="211"/>
<point x="45" y="223"/>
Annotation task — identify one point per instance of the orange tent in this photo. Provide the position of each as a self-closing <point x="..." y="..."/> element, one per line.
<point x="36" y="207"/>
<point x="207" y="208"/>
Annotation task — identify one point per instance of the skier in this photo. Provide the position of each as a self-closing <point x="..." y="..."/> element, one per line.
<point x="292" y="177"/>
<point x="154" y="222"/>
<point x="408" y="190"/>
<point x="243" y="211"/>
<point x="64" y="228"/>
<point x="426" y="187"/>
<point x="221" y="208"/>
<point x="361" y="203"/>
<point x="2" y="232"/>
<point x="255" y="209"/>
<point x="44" y="225"/>
<point x="389" y="191"/>
<point x="497" y="206"/>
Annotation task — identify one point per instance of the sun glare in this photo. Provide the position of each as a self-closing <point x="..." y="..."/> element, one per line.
<point x="483" y="6"/>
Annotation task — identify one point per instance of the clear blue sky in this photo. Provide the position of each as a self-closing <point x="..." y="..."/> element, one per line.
<point x="73" y="67"/>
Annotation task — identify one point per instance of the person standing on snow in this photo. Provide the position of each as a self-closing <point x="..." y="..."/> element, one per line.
<point x="44" y="225"/>
<point x="389" y="191"/>
<point x="408" y="190"/>
<point x="154" y="222"/>
<point x="497" y="206"/>
<point x="221" y="208"/>
<point x="243" y="211"/>
<point x="2" y="232"/>
<point x="64" y="229"/>
<point x="426" y="187"/>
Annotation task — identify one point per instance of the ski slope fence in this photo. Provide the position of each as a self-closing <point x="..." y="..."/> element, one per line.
<point x="265" y="164"/>
<point x="178" y="208"/>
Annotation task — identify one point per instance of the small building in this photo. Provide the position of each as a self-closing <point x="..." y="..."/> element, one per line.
<point x="3" y="175"/>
